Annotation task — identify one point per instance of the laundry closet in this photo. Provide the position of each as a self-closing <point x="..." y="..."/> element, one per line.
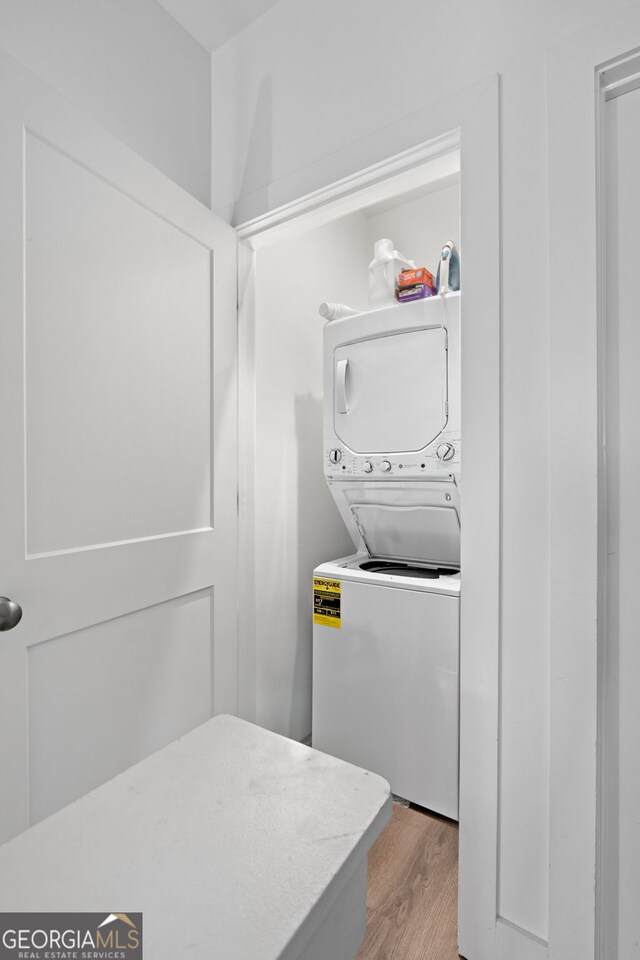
<point x="296" y="525"/>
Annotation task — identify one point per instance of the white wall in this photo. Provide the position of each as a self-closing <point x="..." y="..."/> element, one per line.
<point x="297" y="524"/>
<point x="131" y="67"/>
<point x="310" y="79"/>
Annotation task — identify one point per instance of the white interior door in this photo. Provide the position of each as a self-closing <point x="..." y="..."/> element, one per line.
<point x="118" y="455"/>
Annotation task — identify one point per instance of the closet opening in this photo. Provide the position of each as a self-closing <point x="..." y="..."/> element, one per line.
<point x="298" y="526"/>
<point x="314" y="251"/>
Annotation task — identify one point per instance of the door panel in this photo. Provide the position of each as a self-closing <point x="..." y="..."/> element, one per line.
<point x="131" y="297"/>
<point x="158" y="688"/>
<point x="391" y="392"/>
<point x="118" y="469"/>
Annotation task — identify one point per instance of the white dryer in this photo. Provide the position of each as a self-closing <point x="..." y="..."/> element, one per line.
<point x="392" y="393"/>
<point x="386" y="621"/>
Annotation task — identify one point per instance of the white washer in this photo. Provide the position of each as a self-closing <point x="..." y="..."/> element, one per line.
<point x="385" y="674"/>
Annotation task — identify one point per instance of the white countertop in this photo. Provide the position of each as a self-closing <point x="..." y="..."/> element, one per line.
<point x="232" y="841"/>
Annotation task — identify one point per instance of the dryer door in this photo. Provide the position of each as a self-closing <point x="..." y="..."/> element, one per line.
<point x="390" y="392"/>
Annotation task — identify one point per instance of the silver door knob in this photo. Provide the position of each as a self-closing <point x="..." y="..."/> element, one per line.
<point x="10" y="613"/>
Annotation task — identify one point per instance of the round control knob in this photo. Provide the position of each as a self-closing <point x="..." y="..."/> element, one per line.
<point x="385" y="466"/>
<point x="446" y="451"/>
<point x="335" y="456"/>
<point x="367" y="466"/>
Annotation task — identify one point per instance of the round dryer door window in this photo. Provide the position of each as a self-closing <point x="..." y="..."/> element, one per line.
<point x="390" y="392"/>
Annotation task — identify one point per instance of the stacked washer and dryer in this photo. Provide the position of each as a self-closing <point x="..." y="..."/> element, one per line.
<point x="387" y="619"/>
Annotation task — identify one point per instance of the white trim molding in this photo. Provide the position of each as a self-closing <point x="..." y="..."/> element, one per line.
<point x="420" y="148"/>
<point x="412" y="168"/>
<point x="574" y="84"/>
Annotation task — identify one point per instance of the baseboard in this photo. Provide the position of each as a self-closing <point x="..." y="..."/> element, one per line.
<point x="514" y="943"/>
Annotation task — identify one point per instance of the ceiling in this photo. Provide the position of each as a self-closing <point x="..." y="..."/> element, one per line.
<point x="213" y="22"/>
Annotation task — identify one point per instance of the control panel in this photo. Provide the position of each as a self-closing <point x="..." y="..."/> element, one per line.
<point x="441" y="457"/>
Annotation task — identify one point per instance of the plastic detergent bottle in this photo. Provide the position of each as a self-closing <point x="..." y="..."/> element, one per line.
<point x="383" y="272"/>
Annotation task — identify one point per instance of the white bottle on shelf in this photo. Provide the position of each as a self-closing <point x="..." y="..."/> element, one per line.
<point x="383" y="273"/>
<point x="335" y="311"/>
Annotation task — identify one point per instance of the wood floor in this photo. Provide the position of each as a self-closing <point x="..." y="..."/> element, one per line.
<point x="412" y="897"/>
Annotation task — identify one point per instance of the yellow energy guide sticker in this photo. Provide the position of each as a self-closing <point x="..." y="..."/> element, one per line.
<point x="326" y="601"/>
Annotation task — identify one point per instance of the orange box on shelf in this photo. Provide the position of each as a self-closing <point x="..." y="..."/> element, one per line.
<point x="409" y="278"/>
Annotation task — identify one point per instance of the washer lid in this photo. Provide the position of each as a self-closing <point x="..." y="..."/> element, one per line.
<point x="420" y="533"/>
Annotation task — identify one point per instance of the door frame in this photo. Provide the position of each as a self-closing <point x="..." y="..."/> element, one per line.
<point x="613" y="79"/>
<point x="580" y="70"/>
<point x="408" y="153"/>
